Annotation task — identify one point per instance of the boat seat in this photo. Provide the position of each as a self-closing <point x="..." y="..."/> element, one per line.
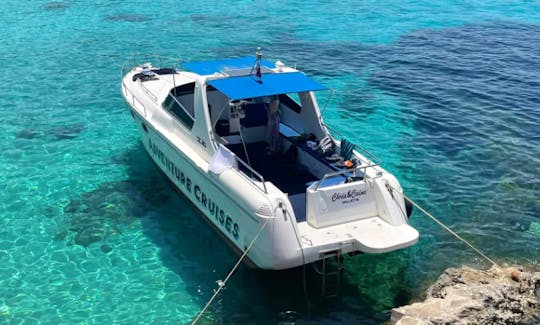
<point x="347" y="148"/>
<point x="286" y="131"/>
<point x="302" y="145"/>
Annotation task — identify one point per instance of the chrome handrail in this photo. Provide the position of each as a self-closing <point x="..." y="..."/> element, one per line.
<point x="133" y="62"/>
<point x="137" y="58"/>
<point x="146" y="90"/>
<point x="346" y="171"/>
<point x="133" y="99"/>
<point x="253" y="171"/>
<point x="149" y="57"/>
<point x="373" y="157"/>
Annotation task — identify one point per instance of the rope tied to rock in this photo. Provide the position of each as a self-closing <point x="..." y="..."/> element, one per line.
<point x="221" y="284"/>
<point x="445" y="227"/>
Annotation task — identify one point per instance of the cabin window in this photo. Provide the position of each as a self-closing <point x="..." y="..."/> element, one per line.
<point x="180" y="103"/>
<point x="217" y="104"/>
<point x="291" y="101"/>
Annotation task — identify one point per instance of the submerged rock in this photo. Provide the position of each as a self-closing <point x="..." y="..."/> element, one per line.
<point x="56" y="133"/>
<point x="132" y="18"/>
<point x="28" y="134"/>
<point x="67" y="131"/>
<point x="470" y="296"/>
<point x="98" y="214"/>
<point x="55" y="5"/>
<point x="106" y="248"/>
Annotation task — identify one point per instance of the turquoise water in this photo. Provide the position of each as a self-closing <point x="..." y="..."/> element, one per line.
<point x="447" y="93"/>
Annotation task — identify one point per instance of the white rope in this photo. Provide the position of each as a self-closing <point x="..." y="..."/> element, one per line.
<point x="450" y="231"/>
<point x="221" y="284"/>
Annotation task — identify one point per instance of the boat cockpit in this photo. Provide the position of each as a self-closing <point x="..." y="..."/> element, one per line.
<point x="282" y="139"/>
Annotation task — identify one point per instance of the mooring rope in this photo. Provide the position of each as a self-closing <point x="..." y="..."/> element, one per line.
<point x="221" y="284"/>
<point x="449" y="230"/>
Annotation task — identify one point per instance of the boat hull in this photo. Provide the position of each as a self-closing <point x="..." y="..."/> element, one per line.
<point x="234" y="217"/>
<point x="360" y="214"/>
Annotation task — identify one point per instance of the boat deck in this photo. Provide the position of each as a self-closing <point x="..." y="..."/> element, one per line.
<point x="370" y="235"/>
<point x="283" y="171"/>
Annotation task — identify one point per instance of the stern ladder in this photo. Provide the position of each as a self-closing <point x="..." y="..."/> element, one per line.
<point x="330" y="272"/>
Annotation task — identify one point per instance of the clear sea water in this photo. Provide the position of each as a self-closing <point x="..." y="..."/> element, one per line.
<point x="447" y="93"/>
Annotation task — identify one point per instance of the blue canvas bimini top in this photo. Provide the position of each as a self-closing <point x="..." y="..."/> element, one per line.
<point x="249" y="86"/>
<point x="272" y="84"/>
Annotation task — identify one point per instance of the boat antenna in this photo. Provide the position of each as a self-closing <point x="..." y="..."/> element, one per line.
<point x="256" y="69"/>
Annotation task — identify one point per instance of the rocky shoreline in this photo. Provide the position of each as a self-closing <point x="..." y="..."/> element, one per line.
<point x="468" y="296"/>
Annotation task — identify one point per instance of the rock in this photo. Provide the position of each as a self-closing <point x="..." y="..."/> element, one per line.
<point x="67" y="131"/>
<point x="516" y="276"/>
<point x="132" y="18"/>
<point x="96" y="215"/>
<point x="469" y="296"/>
<point x="28" y="134"/>
<point x="106" y="248"/>
<point x="55" y="6"/>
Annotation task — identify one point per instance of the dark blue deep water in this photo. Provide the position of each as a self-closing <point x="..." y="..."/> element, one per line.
<point x="447" y="93"/>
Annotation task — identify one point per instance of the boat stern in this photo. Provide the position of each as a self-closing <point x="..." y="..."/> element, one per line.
<point x="367" y="216"/>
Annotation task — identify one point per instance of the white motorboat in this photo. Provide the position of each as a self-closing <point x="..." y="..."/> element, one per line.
<point x="244" y="140"/>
